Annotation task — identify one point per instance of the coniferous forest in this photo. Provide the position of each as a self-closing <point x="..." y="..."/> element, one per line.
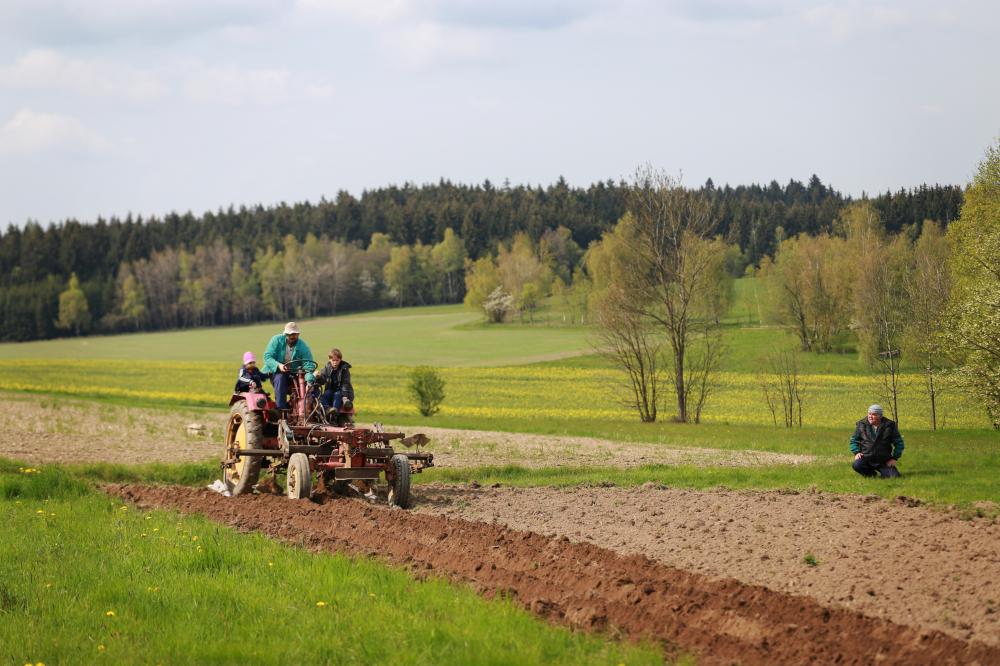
<point x="390" y="246"/>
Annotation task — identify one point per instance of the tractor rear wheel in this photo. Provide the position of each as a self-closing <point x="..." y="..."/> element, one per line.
<point x="299" y="480"/>
<point x="245" y="430"/>
<point x="399" y="485"/>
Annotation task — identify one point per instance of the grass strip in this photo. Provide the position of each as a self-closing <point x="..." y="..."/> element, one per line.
<point x="86" y="579"/>
<point x="977" y="497"/>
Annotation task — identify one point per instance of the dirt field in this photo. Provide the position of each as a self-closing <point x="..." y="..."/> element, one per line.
<point x="723" y="621"/>
<point x="893" y="560"/>
<point x="45" y="429"/>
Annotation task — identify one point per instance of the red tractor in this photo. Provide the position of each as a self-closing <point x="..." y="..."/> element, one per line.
<point x="307" y="443"/>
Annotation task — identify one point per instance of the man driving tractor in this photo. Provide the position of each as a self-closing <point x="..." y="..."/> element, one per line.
<point x="281" y="351"/>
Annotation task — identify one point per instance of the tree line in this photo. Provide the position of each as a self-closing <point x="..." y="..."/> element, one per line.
<point x="918" y="292"/>
<point x="224" y="261"/>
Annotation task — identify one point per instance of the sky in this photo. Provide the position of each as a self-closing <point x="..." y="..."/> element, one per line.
<point x="151" y="106"/>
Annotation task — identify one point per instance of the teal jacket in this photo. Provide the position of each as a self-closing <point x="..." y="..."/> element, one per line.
<point x="275" y="354"/>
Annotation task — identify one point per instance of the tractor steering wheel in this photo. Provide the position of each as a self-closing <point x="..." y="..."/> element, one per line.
<point x="295" y="365"/>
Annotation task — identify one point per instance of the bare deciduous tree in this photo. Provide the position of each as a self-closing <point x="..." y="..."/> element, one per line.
<point x="782" y="387"/>
<point x="668" y="268"/>
<point x="630" y="340"/>
<point x="669" y="239"/>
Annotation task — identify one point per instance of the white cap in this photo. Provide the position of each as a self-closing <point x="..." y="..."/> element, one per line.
<point x="291" y="327"/>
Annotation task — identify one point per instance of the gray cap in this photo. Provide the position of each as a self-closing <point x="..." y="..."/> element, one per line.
<point x="875" y="409"/>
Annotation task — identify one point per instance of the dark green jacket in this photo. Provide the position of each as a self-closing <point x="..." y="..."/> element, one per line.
<point x="877" y="447"/>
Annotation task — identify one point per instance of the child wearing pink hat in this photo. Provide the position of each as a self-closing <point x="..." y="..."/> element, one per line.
<point x="250" y="378"/>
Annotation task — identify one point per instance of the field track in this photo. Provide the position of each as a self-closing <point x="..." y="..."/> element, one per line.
<point x="722" y="621"/>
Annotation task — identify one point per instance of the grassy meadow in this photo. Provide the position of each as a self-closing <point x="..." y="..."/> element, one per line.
<point x="440" y="336"/>
<point x="513" y="376"/>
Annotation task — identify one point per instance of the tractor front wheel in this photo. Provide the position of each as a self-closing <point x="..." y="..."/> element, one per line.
<point x="245" y="430"/>
<point x="399" y="484"/>
<point x="299" y="482"/>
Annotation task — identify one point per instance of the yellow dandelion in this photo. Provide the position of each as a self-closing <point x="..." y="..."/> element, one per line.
<point x="194" y="538"/>
<point x="100" y="648"/>
<point x="123" y="507"/>
<point x="110" y="613"/>
<point x="320" y="604"/>
<point x="270" y="564"/>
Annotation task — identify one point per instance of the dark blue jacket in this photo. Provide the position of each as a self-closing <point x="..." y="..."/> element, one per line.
<point x="246" y="379"/>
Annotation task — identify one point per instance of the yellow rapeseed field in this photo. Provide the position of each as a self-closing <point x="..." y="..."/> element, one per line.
<point x="504" y="393"/>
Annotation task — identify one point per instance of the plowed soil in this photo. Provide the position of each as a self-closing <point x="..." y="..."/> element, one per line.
<point x="896" y="560"/>
<point x="721" y="620"/>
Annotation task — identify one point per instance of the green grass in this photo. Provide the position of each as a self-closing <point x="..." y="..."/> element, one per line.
<point x="86" y="579"/>
<point x="407" y="336"/>
<point x="939" y="486"/>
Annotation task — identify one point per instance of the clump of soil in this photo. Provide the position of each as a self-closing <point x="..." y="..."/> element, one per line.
<point x="583" y="585"/>
<point x="895" y="560"/>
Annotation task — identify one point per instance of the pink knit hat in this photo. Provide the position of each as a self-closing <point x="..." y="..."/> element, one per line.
<point x="248" y="357"/>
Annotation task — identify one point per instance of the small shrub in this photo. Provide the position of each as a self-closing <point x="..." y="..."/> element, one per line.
<point x="426" y="389"/>
<point x="810" y="559"/>
<point x="497" y="305"/>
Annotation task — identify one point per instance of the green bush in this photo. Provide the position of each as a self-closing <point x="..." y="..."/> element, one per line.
<point x="426" y="389"/>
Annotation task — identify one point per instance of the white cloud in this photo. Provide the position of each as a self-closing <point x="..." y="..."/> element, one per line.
<point x="200" y="82"/>
<point x="46" y="68"/>
<point x="237" y="86"/>
<point x="30" y="132"/>
<point x="366" y="11"/>
<point x="320" y="91"/>
<point x="847" y="20"/>
<point x="429" y="43"/>
<point x="510" y="14"/>
<point x="83" y="21"/>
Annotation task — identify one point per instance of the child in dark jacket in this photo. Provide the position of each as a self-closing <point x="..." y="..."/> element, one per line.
<point x="250" y="378"/>
<point x="336" y="377"/>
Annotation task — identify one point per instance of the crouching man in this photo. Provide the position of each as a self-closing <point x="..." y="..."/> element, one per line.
<point x="876" y="445"/>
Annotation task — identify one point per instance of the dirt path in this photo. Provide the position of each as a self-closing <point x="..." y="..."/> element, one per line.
<point x="47" y="429"/>
<point x="467" y="448"/>
<point x="722" y="621"/>
<point x="894" y="560"/>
